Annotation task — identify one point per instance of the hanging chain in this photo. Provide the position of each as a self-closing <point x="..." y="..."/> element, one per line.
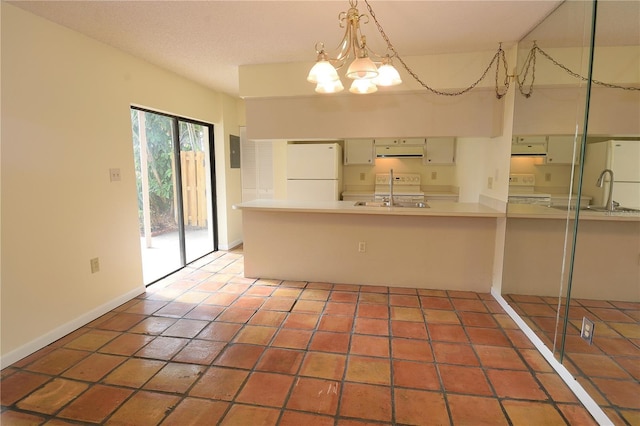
<point x="529" y="64"/>
<point x="578" y="76"/>
<point x="499" y="56"/>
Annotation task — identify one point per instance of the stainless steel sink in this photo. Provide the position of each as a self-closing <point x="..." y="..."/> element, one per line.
<point x="569" y="208"/>
<point x="615" y="210"/>
<point x="600" y="209"/>
<point x="418" y="205"/>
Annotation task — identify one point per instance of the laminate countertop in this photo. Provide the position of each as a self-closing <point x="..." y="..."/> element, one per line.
<point x="532" y="211"/>
<point x="436" y="208"/>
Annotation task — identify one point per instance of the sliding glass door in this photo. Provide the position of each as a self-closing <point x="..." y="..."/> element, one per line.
<point x="176" y="195"/>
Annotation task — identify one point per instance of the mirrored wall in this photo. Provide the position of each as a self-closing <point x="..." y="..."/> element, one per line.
<point x="559" y="270"/>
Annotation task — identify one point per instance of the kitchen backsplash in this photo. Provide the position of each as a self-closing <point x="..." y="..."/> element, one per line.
<point x="550" y="179"/>
<point x="433" y="178"/>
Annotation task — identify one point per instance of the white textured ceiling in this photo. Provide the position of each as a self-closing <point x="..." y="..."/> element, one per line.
<point x="206" y="41"/>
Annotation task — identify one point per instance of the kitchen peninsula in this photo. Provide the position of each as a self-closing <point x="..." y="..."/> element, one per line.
<point x="607" y="253"/>
<point x="448" y="245"/>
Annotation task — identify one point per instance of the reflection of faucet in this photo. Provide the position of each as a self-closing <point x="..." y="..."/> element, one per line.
<point x="609" y="206"/>
<point x="391" y="188"/>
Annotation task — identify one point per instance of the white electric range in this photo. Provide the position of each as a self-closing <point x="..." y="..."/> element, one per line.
<point x="522" y="190"/>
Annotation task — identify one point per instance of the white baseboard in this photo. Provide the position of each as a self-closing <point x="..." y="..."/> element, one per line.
<point x="61" y="331"/>
<point x="230" y="246"/>
<point x="592" y="407"/>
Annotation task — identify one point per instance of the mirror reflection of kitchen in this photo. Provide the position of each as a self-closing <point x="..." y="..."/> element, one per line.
<point x="545" y="172"/>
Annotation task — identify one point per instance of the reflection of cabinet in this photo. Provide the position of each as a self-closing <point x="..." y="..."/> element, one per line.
<point x="529" y="145"/>
<point x="358" y="151"/>
<point x="560" y="150"/>
<point x="440" y="151"/>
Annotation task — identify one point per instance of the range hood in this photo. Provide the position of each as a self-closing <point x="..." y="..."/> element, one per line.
<point x="529" y="150"/>
<point x="402" y="151"/>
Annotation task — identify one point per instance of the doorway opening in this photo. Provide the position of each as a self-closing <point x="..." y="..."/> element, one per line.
<point x="175" y="178"/>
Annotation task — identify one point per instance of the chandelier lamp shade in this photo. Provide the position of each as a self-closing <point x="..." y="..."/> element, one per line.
<point x="365" y="73"/>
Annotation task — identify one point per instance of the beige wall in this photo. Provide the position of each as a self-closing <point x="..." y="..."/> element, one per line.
<point x="558" y="99"/>
<point x="415" y="114"/>
<point x="65" y="122"/>
<point x="451" y="71"/>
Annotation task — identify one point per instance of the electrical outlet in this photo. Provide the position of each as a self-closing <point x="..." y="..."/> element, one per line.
<point x="588" y="328"/>
<point x="490" y="182"/>
<point x="95" y="265"/>
<point x="434" y="175"/>
<point x="114" y="175"/>
<point x="362" y="247"/>
<point x="362" y="176"/>
<point x="547" y="177"/>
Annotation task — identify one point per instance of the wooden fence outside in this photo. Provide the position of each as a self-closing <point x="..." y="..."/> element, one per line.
<point x="194" y="188"/>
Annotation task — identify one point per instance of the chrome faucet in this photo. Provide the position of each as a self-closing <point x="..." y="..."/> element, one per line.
<point x="391" y="188"/>
<point x="610" y="203"/>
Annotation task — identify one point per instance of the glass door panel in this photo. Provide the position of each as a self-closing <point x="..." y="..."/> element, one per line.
<point x="159" y="236"/>
<point x="175" y="191"/>
<point x="195" y="165"/>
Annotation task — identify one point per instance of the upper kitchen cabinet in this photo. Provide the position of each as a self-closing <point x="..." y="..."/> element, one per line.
<point x="359" y="151"/>
<point x="440" y="151"/>
<point x="560" y="150"/>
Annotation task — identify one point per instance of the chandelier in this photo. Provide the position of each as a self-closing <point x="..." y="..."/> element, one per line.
<point x="366" y="75"/>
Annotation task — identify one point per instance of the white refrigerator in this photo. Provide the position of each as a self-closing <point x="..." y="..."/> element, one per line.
<point x="621" y="157"/>
<point x="314" y="171"/>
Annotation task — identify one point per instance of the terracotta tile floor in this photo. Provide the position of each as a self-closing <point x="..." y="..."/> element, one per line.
<point x="207" y="346"/>
<point x="609" y="369"/>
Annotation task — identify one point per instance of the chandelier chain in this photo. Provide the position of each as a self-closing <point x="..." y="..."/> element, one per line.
<point x="497" y="57"/>
<point x="529" y="65"/>
<point x="576" y="75"/>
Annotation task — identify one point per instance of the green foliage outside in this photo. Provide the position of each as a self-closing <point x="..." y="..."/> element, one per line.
<point x="160" y="162"/>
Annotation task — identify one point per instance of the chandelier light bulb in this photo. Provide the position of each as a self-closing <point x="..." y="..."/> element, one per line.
<point x="330" y="87"/>
<point x="363" y="86"/>
<point x="322" y="72"/>
<point x="387" y="76"/>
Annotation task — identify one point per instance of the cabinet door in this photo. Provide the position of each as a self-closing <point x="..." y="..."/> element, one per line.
<point x="412" y="141"/>
<point x="387" y="141"/>
<point x="358" y="151"/>
<point x="560" y="150"/>
<point x="529" y="139"/>
<point x="440" y="151"/>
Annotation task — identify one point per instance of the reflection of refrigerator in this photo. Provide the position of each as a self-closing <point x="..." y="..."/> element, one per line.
<point x="314" y="171"/>
<point x="621" y="157"/>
